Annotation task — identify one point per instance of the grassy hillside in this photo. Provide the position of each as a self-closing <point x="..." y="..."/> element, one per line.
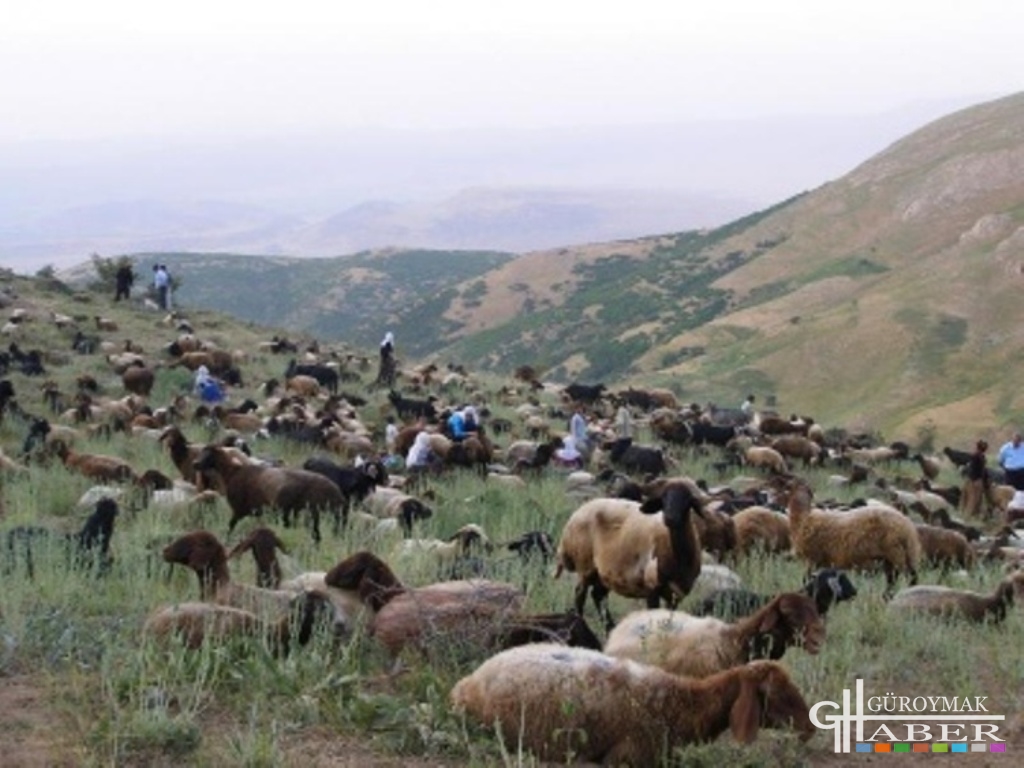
<point x="886" y="299"/>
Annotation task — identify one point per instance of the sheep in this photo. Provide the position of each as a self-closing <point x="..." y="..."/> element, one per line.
<point x="263" y="543"/>
<point x="944" y="548"/>
<point x="761" y="528"/>
<point x="825" y="587"/>
<point x="798" y="447"/>
<point x="196" y="623"/>
<point x="304" y="386"/>
<point x="930" y="466"/>
<point x="763" y="457"/>
<point x="640" y="459"/>
<point x="585" y="706"/>
<point x="473" y="610"/>
<point x="692" y="646"/>
<point x="448" y="553"/>
<point x="717" y="533"/>
<point x="355" y="483"/>
<point x="107" y="469"/>
<point x="621" y="546"/>
<point x="182" y="453"/>
<point x="859" y="538"/>
<point x="89" y="548"/>
<point x="250" y="489"/>
<point x="960" y="603"/>
<point x="138" y="379"/>
<point x="105" y="323"/>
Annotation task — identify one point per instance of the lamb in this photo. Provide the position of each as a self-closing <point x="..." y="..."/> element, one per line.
<point x="859" y="538"/>
<point x="692" y="646"/>
<point x="622" y="546"/>
<point x="250" y="489"/>
<point x="960" y="603"/>
<point x="105" y="323"/>
<point x="89" y="548"/>
<point x="585" y="706"/>
<point x="449" y="553"/>
<point x="825" y="587"/>
<point x="944" y="548"/>
<point x="930" y="466"/>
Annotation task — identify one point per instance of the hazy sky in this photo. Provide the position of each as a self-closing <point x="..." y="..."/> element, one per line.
<point x="98" y="68"/>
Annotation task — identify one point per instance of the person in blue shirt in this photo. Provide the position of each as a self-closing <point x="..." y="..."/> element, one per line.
<point x="463" y="423"/>
<point x="1011" y="459"/>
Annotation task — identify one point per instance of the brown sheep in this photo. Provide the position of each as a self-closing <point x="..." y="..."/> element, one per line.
<point x="217" y="361"/>
<point x="798" y="447"/>
<point x="138" y="379"/>
<point x="107" y="469"/>
<point x="263" y="543"/>
<point x="944" y="548"/>
<point x="304" y="386"/>
<point x="962" y="603"/>
<point x="474" y="610"/>
<point x="250" y="489"/>
<point x="182" y="453"/>
<point x="761" y="528"/>
<point x="105" y="323"/>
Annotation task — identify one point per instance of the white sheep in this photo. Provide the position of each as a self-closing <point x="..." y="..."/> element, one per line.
<point x="694" y="646"/>
<point x="583" y="706"/>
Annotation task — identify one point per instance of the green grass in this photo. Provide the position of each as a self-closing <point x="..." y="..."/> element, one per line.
<point x="122" y="700"/>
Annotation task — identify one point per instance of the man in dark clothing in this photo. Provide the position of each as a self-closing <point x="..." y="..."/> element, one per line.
<point x="124" y="278"/>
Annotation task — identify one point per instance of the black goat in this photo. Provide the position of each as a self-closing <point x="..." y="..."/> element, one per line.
<point x="960" y="458"/>
<point x="584" y="393"/>
<point x="408" y="407"/>
<point x="638" y="459"/>
<point x="825" y="587"/>
<point x="88" y="549"/>
<point x="355" y="483"/>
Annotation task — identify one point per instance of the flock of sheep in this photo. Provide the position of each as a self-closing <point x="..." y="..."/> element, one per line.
<point x="662" y="677"/>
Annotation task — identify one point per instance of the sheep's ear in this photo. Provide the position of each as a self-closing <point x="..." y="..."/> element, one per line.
<point x="745" y="715"/>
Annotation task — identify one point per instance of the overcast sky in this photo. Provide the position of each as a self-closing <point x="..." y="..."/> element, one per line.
<point x="101" y="68"/>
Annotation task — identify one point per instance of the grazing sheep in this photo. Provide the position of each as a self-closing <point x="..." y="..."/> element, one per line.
<point x="196" y="623"/>
<point x="182" y="453"/>
<point x="859" y="538"/>
<point x="89" y="548"/>
<point x="638" y="459"/>
<point x="263" y="543"/>
<point x="621" y="546"/>
<point x="825" y="587"/>
<point x="763" y="457"/>
<point x="105" y="469"/>
<point x="355" y="483"/>
<point x="105" y="323"/>
<point x="250" y="489"/>
<point x="960" y="603"/>
<point x="930" y="466"/>
<point x="943" y="548"/>
<point x="471" y="611"/>
<point x="451" y="552"/>
<point x="580" y="705"/>
<point x="692" y="646"/>
<point x="798" y="447"/>
<point x="761" y="528"/>
<point x="138" y="379"/>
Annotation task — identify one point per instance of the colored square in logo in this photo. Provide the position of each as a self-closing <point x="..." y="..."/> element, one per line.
<point x="883" y="747"/>
<point x="922" y="747"/>
<point x="957" y="747"/>
<point x="940" y="747"/>
<point x="997" y="748"/>
<point x="865" y="748"/>
<point x="979" y="746"/>
<point x="900" y="747"/>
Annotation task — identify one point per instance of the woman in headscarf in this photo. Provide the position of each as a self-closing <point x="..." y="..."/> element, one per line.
<point x="420" y="457"/>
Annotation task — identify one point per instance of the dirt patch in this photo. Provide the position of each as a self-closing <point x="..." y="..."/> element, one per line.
<point x="30" y="731"/>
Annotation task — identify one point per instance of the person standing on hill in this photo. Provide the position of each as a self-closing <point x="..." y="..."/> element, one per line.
<point x="124" y="277"/>
<point x="162" y="284"/>
<point x="978" y="487"/>
<point x="1011" y="459"/>
<point x="386" y="374"/>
